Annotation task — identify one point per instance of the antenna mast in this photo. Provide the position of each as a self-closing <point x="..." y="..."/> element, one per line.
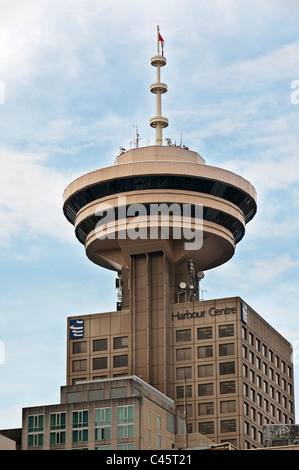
<point x="158" y="88"/>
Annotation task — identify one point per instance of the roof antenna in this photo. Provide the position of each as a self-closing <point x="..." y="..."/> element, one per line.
<point x="136" y="141"/>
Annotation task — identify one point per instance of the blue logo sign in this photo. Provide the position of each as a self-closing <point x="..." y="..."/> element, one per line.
<point x="76" y="329"/>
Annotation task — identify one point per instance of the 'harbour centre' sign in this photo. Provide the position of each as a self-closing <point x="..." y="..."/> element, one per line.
<point x="213" y="312"/>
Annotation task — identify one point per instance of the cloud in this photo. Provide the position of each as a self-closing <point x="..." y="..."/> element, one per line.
<point x="30" y="199"/>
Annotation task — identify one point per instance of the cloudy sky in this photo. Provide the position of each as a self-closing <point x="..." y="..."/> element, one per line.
<point x="74" y="81"/>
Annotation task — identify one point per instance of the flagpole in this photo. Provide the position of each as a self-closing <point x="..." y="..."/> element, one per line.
<point x="158" y="37"/>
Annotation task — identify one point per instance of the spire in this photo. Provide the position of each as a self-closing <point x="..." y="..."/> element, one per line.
<point x="158" y="88"/>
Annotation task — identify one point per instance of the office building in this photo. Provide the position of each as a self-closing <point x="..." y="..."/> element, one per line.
<point x="229" y="369"/>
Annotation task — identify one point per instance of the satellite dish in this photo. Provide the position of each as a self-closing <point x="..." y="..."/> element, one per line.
<point x="200" y="275"/>
<point x="183" y="285"/>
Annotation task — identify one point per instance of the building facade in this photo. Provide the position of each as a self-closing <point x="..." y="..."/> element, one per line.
<point x="110" y="414"/>
<point x="229" y="370"/>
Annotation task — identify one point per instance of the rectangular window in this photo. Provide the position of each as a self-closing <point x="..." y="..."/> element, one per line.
<point x="226" y="349"/>
<point x="100" y="344"/>
<point x="122" y="342"/>
<point x="57" y="437"/>
<point x="80" y="365"/>
<point x="228" y="406"/>
<point x="35" y="430"/>
<point x="100" y="363"/>
<point x="205" y="332"/>
<point x="205" y="389"/>
<point x="204" y="351"/>
<point x="206" y="408"/>
<point x="226" y="330"/>
<point x="102" y="424"/>
<point x="125" y="419"/>
<point x="206" y="427"/>
<point x="184" y="373"/>
<point x="181" y="390"/>
<point x="183" y="354"/>
<point x="80" y="426"/>
<point x="158" y="422"/>
<point x="120" y="361"/>
<point x="227" y="387"/>
<point x="80" y="347"/>
<point x="183" y="335"/>
<point x="126" y="446"/>
<point x="206" y="370"/>
<point x="57" y="421"/>
<point x="227" y="368"/>
<point x="228" y="425"/>
<point x="57" y="428"/>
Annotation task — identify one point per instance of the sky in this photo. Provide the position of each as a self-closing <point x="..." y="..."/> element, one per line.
<point x="74" y="83"/>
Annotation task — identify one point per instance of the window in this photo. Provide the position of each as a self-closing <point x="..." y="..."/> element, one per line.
<point x="57" y="428"/>
<point x="158" y="422"/>
<point x="204" y="351"/>
<point x="126" y="446"/>
<point x="183" y="335"/>
<point x="228" y="425"/>
<point x="180" y="391"/>
<point x="226" y="330"/>
<point x="226" y="349"/>
<point x="184" y="373"/>
<point x="159" y="441"/>
<point x="125" y="420"/>
<point x="227" y="387"/>
<point x="122" y="342"/>
<point x="102" y="424"/>
<point x="80" y="426"/>
<point x="227" y="368"/>
<point x="80" y="347"/>
<point x="206" y="408"/>
<point x="206" y="427"/>
<point x="100" y="363"/>
<point x="35" y="430"/>
<point x="183" y="354"/>
<point x="205" y="332"/>
<point x="120" y="361"/>
<point x="100" y="344"/>
<point x="205" y="389"/>
<point x="228" y="406"/>
<point x="205" y="370"/>
<point x="79" y="365"/>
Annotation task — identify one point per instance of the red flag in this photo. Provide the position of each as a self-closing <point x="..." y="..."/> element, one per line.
<point x="162" y="43"/>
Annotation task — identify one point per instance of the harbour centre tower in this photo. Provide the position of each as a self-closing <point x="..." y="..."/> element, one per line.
<point x="161" y="218"/>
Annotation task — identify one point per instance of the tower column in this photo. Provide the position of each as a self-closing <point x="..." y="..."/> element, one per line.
<point x="151" y="294"/>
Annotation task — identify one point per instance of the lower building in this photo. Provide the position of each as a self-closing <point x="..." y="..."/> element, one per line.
<point x="123" y="413"/>
<point x="281" y="435"/>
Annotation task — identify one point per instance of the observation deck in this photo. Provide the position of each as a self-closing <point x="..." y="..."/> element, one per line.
<point x="123" y="195"/>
